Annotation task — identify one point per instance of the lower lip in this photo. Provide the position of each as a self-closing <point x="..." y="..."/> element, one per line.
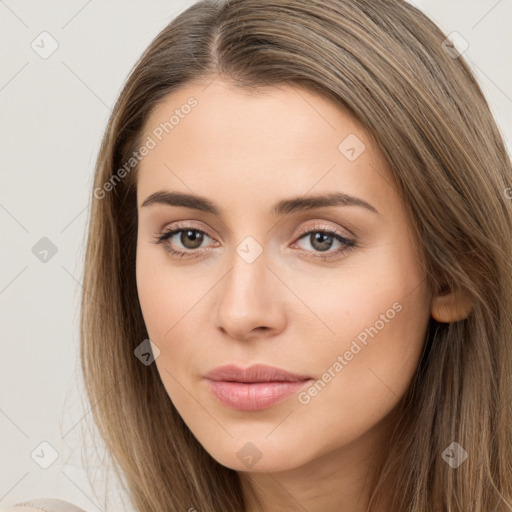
<point x="253" y="396"/>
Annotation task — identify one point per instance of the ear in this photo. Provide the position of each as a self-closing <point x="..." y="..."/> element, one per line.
<point x="450" y="306"/>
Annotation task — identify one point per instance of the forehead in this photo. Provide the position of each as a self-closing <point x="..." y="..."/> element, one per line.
<point x="226" y="118"/>
<point x="284" y="140"/>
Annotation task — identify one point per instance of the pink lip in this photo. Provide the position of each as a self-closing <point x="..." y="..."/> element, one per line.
<point x="254" y="388"/>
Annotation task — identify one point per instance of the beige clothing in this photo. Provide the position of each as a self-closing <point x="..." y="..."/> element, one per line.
<point x="43" y="504"/>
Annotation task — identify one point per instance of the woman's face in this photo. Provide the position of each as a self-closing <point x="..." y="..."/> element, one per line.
<point x="273" y="273"/>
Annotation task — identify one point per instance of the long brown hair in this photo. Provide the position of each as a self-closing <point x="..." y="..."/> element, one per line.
<point x="388" y="64"/>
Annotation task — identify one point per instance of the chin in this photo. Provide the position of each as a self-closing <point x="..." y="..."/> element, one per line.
<point x="258" y="456"/>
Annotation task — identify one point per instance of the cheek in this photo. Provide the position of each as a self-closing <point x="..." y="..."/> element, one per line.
<point x="368" y="369"/>
<point x="382" y="341"/>
<point x="380" y="330"/>
<point x="153" y="299"/>
<point x="170" y="299"/>
<point x="165" y="295"/>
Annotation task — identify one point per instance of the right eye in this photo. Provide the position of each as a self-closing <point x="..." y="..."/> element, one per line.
<point x="191" y="239"/>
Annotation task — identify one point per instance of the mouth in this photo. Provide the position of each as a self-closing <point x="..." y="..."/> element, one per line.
<point x="255" y="388"/>
<point x="253" y="374"/>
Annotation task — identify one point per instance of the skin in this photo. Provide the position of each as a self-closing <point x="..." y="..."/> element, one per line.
<point x="245" y="151"/>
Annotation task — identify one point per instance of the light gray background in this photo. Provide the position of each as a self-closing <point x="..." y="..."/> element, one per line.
<point x="53" y="113"/>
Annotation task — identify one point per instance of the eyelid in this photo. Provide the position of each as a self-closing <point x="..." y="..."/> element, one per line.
<point x="317" y="225"/>
<point x="189" y="224"/>
<point x="183" y="226"/>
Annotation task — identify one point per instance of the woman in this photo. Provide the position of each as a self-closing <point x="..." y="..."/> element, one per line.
<point x="297" y="290"/>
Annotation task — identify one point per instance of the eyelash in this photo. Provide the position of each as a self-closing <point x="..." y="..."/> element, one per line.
<point x="349" y="244"/>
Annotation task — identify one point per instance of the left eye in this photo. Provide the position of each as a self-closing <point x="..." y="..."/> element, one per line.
<point x="323" y="240"/>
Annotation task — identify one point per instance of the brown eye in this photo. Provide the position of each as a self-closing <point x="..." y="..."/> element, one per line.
<point x="182" y="241"/>
<point x="191" y="238"/>
<point x="321" y="241"/>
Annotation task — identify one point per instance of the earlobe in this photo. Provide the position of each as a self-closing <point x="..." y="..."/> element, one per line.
<point x="451" y="306"/>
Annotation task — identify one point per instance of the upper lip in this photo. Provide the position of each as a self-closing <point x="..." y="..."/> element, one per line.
<point x="254" y="373"/>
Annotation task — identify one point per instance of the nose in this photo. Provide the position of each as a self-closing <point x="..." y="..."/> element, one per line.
<point x="250" y="300"/>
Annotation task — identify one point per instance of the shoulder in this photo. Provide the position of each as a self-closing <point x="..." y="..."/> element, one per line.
<point x="42" y="504"/>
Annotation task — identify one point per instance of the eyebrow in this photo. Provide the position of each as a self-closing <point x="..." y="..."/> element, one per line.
<point x="283" y="207"/>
